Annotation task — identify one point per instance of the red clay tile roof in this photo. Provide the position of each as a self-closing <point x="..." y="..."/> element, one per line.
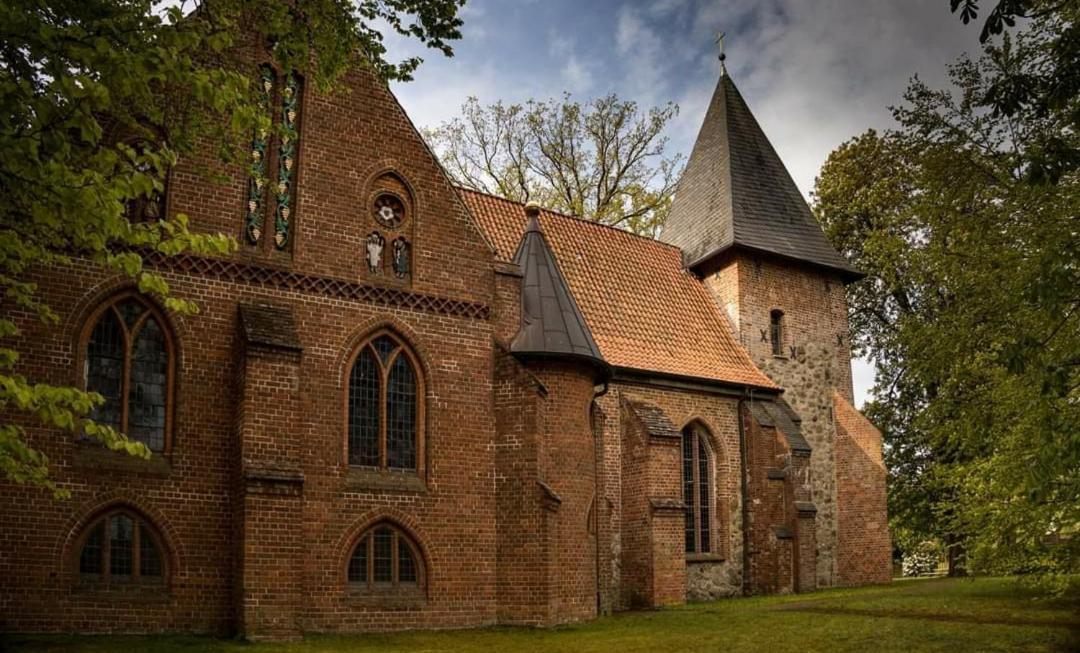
<point x="644" y="310"/>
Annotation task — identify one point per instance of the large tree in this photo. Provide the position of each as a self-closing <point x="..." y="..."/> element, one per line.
<point x="605" y="160"/>
<point x="971" y="308"/>
<point x="98" y="98"/>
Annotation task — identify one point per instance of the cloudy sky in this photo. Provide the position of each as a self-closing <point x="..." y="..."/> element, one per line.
<point x="815" y="72"/>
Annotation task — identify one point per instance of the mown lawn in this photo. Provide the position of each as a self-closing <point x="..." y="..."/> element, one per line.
<point x="925" y="615"/>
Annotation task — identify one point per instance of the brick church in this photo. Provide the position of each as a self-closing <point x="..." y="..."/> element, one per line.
<point x="403" y="404"/>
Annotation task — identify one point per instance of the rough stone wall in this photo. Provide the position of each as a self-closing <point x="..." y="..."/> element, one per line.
<point x="190" y="493"/>
<point x="864" y="548"/>
<point x="816" y="361"/>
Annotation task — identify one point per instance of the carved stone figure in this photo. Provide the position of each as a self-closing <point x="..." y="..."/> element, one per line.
<point x="375" y="245"/>
<point x="401" y="258"/>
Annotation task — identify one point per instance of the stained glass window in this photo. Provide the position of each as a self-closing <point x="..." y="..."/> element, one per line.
<point x="696" y="490"/>
<point x="384" y="407"/>
<point x="128" y="363"/>
<point x="384" y="559"/>
<point x="120" y="547"/>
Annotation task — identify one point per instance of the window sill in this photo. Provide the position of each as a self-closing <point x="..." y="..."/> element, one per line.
<point x="359" y="478"/>
<point x="692" y="558"/>
<point x="141" y="592"/>
<point x="386" y="599"/>
<point x="91" y="456"/>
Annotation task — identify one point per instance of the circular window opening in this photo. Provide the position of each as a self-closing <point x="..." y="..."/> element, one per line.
<point x="389" y="211"/>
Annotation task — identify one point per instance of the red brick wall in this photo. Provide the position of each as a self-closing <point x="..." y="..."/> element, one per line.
<point x="864" y="545"/>
<point x="192" y="495"/>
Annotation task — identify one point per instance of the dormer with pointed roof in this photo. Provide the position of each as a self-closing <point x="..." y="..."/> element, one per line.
<point x="736" y="194"/>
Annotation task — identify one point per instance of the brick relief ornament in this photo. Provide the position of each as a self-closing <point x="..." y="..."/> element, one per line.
<point x="290" y="136"/>
<point x="401" y="258"/>
<point x="259" y="143"/>
<point x="374" y="246"/>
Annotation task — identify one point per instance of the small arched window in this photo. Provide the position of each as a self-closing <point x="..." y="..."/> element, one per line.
<point x="120" y="547"/>
<point x="385" y="559"/>
<point x="384" y="406"/>
<point x="776" y="332"/>
<point x="697" y="490"/>
<point x="128" y="360"/>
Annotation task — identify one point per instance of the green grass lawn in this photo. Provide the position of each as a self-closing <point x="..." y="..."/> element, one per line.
<point x="922" y="615"/>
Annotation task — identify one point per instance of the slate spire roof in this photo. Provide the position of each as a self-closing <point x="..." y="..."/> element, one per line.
<point x="735" y="192"/>
<point x="552" y="325"/>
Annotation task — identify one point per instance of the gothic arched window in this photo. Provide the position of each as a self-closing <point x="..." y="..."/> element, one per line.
<point x="385" y="558"/>
<point x="384" y="398"/>
<point x="128" y="360"/>
<point x="696" y="474"/>
<point x="120" y="547"/>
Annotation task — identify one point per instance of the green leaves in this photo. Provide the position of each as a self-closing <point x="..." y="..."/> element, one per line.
<point x="605" y="160"/>
<point x="98" y="100"/>
<point x="970" y="311"/>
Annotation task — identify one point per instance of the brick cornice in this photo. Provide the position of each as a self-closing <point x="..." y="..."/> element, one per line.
<point x="257" y="275"/>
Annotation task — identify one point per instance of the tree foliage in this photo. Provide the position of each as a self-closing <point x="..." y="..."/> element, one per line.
<point x="605" y="160"/>
<point x="971" y="309"/>
<point x="98" y="99"/>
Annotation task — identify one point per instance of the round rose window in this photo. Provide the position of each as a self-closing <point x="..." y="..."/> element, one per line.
<point x="389" y="211"/>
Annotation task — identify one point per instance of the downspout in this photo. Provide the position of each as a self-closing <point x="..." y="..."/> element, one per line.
<point x="597" y="442"/>
<point x="745" y="492"/>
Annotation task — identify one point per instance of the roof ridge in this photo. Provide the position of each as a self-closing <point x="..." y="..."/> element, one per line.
<point x="568" y="216"/>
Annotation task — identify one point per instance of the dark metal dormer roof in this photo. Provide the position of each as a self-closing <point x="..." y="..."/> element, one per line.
<point x="736" y="193"/>
<point x="552" y="326"/>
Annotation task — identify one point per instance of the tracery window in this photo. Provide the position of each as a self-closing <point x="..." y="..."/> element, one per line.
<point x="384" y="400"/>
<point x="697" y="490"/>
<point x="129" y="361"/>
<point x="776" y="332"/>
<point x="120" y="547"/>
<point x="385" y="558"/>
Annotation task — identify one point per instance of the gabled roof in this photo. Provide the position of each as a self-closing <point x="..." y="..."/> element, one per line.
<point x="551" y="322"/>
<point x="735" y="192"/>
<point x="645" y="312"/>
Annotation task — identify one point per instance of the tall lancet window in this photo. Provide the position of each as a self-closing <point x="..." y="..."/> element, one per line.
<point x="384" y="406"/>
<point x="697" y="489"/>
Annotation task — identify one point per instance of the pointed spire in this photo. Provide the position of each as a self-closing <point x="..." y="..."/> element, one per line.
<point x="552" y="326"/>
<point x="736" y="192"/>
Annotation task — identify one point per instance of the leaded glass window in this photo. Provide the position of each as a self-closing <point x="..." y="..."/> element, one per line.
<point x="120" y="547"/>
<point x="696" y="472"/>
<point x="128" y="361"/>
<point x="384" y="402"/>
<point x="776" y="332"/>
<point x="385" y="559"/>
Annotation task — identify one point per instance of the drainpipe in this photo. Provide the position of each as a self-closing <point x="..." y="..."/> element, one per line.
<point x="745" y="492"/>
<point x="597" y="442"/>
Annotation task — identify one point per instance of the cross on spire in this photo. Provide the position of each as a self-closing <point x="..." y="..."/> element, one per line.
<point x="720" y="46"/>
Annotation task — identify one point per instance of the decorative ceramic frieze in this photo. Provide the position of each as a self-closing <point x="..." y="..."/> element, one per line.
<point x="289" y="140"/>
<point x="257" y="177"/>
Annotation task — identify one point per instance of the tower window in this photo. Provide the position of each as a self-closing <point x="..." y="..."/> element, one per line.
<point x="776" y="332"/>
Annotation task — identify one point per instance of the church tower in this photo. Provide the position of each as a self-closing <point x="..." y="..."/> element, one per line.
<point x="746" y="231"/>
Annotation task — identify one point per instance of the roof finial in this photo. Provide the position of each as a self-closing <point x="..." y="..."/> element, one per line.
<point x="720" y="44"/>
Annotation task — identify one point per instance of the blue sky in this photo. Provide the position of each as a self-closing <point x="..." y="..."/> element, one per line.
<point x="815" y="72"/>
